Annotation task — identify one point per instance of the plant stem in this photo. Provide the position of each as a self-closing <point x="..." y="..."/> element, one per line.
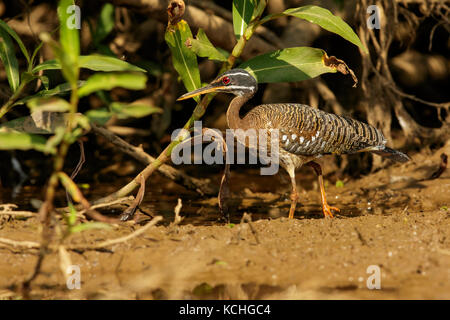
<point x="47" y="207"/>
<point x="8" y="105"/>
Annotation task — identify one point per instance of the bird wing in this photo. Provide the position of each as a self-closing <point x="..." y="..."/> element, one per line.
<point x="304" y="130"/>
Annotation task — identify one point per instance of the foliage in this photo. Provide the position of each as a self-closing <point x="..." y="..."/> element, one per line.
<point x="50" y="113"/>
<point x="285" y="65"/>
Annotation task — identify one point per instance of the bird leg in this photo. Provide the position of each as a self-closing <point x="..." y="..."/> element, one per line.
<point x="294" y="199"/>
<point x="294" y="194"/>
<point x="325" y="207"/>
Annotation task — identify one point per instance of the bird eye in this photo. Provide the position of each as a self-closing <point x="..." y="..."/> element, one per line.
<point x="226" y="80"/>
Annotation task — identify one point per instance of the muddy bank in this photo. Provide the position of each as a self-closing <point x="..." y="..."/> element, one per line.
<point x="394" y="219"/>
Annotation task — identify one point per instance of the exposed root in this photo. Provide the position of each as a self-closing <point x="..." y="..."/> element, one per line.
<point x="20" y="244"/>
<point x="111" y="242"/>
<point x="7" y="209"/>
<point x="106" y="243"/>
<point x="177" y="220"/>
<point x="382" y="95"/>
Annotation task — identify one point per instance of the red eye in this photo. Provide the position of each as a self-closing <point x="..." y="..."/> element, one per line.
<point x="226" y="80"/>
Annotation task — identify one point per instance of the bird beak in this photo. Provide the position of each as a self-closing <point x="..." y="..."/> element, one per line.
<point x="206" y="89"/>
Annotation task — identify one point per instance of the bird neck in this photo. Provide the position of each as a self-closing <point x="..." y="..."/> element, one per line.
<point x="233" y="119"/>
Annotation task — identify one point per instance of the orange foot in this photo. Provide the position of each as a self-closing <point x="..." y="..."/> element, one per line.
<point x="327" y="210"/>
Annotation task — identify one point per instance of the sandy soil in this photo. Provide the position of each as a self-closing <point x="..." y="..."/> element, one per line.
<point x="394" y="219"/>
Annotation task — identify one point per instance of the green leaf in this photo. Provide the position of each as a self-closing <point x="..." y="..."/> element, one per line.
<point x="56" y="139"/>
<point x="8" y="57"/>
<point x="51" y="104"/>
<point x="45" y="81"/>
<point x="68" y="50"/>
<point x="105" y="23"/>
<point x="59" y="89"/>
<point x="99" y="116"/>
<point x="242" y="15"/>
<point x="68" y="63"/>
<point x="204" y="48"/>
<point x="16" y="37"/>
<point x="339" y="184"/>
<point x="23" y="141"/>
<point x="71" y="217"/>
<point x="33" y="56"/>
<point x="92" y="62"/>
<point x="105" y="63"/>
<point x="47" y="65"/>
<point x="124" y="110"/>
<point x="82" y="121"/>
<point x="323" y="18"/>
<point x="68" y="14"/>
<point x="184" y="60"/>
<point x="288" y="65"/>
<point x="89" y="226"/>
<point x="110" y="80"/>
<point x="202" y="290"/>
<point x="70" y="186"/>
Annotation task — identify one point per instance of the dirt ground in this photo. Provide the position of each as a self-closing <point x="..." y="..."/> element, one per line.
<point x="395" y="219"/>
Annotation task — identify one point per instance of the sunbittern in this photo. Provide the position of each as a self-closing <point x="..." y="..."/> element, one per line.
<point x="306" y="133"/>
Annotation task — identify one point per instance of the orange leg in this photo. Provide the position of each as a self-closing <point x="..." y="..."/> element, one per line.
<point x="294" y="198"/>
<point x="325" y="207"/>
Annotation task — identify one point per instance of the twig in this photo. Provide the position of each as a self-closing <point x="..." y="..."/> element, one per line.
<point x="201" y="186"/>
<point x="106" y="204"/>
<point x="177" y="220"/>
<point x="22" y="244"/>
<point x="129" y="213"/>
<point x="77" y="169"/>
<point x="8" y="206"/>
<point x="37" y="245"/>
<point x="248" y="218"/>
<point x="128" y="131"/>
<point x="111" y="242"/>
<point x="430" y="45"/>
<point x="329" y="97"/>
<point x="19" y="213"/>
<point x="394" y="88"/>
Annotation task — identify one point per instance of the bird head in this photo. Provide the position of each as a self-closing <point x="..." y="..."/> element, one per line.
<point x="236" y="81"/>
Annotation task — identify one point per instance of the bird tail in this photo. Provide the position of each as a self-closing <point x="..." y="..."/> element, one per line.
<point x="391" y="154"/>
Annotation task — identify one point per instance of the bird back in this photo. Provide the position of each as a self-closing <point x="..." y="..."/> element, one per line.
<point x="304" y="130"/>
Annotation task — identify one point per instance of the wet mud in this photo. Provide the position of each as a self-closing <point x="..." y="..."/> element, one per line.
<point x="396" y="219"/>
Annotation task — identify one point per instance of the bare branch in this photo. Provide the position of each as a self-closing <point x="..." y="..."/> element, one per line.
<point x="201" y="186"/>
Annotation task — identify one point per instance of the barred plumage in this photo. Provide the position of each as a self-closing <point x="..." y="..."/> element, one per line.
<point x="308" y="131"/>
<point x="305" y="133"/>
